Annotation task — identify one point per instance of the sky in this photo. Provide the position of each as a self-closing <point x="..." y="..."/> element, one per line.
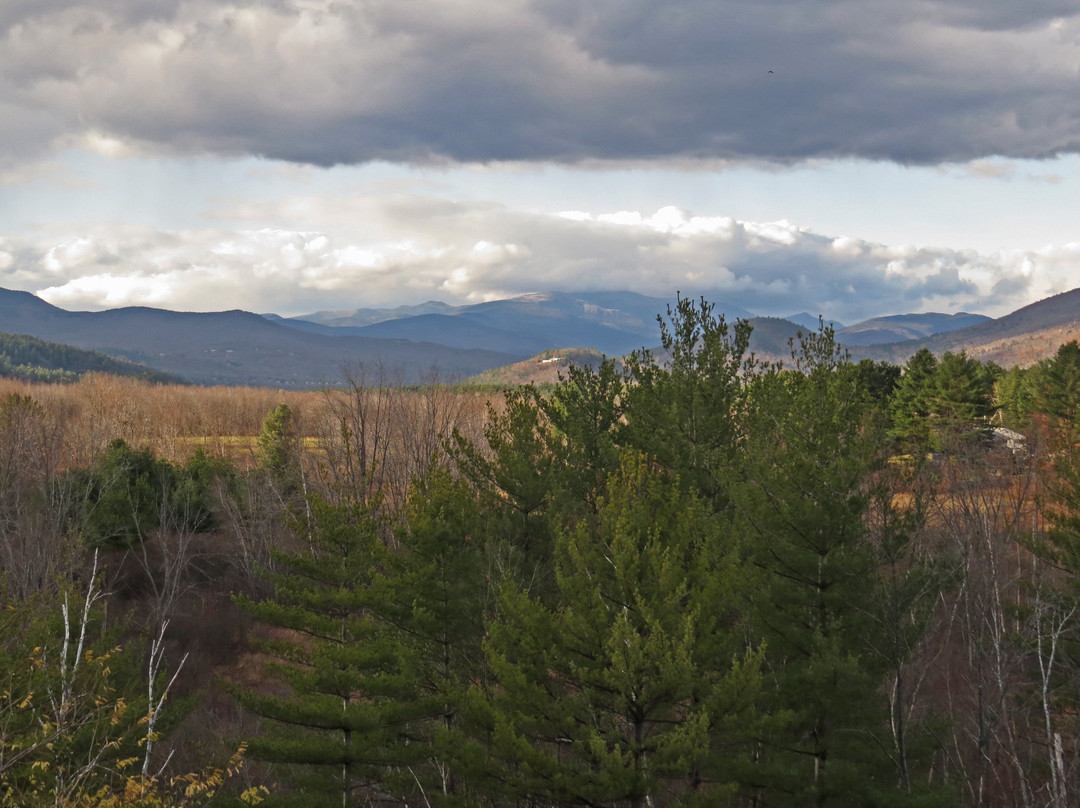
<point x="840" y="157"/>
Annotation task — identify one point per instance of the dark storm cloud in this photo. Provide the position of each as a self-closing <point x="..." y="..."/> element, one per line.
<point x="328" y="82"/>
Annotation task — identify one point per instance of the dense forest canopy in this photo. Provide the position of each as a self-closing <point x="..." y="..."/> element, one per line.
<point x="31" y="359"/>
<point x="706" y="580"/>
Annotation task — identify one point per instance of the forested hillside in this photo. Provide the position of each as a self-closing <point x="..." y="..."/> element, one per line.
<point x="23" y="357"/>
<point x="708" y="581"/>
<point x="1027" y="335"/>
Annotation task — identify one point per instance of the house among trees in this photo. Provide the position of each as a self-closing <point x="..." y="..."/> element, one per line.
<point x="1009" y="439"/>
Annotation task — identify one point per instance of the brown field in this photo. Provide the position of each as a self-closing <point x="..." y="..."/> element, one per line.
<point x="176" y="420"/>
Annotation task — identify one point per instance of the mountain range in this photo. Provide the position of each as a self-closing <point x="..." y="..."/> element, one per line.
<point x="406" y="343"/>
<point x="1023" y="337"/>
<point x="613" y="323"/>
<point x="235" y="347"/>
<point x="903" y="327"/>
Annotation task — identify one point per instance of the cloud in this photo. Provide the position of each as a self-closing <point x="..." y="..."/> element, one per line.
<point x="338" y="252"/>
<point x="988" y="169"/>
<point x="1049" y="179"/>
<point x="46" y="171"/>
<point x="322" y="82"/>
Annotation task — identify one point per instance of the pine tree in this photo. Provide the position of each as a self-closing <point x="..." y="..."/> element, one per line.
<point x="434" y="598"/>
<point x="911" y="404"/>
<point x="1057" y="389"/>
<point x="513" y="475"/>
<point x="343" y="726"/>
<point x="1014" y="397"/>
<point x="1053" y="604"/>
<point x="276" y="441"/>
<point x="584" y="410"/>
<point x="961" y="398"/>
<point x="682" y="409"/>
<point x="812" y="454"/>
<point x="623" y="688"/>
<point x="131" y="493"/>
<point x="878" y="379"/>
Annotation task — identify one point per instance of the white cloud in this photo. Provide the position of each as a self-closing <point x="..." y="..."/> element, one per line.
<point x="105" y="145"/>
<point x="413" y="248"/>
<point x="107" y="290"/>
<point x="992" y="169"/>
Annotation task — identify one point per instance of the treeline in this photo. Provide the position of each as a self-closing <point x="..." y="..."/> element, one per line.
<point x="35" y="360"/>
<point x="702" y="581"/>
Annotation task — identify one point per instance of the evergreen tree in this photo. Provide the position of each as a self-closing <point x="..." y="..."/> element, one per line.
<point x="279" y="447"/>
<point x="878" y="379"/>
<point x="1057" y="388"/>
<point x="1054" y="603"/>
<point x="189" y="501"/>
<point x="683" y="411"/>
<point x="912" y="401"/>
<point x="584" y="410"/>
<point x="623" y="690"/>
<point x="961" y="398"/>
<point x="434" y="598"/>
<point x="342" y="731"/>
<point x="130" y="493"/>
<point x="513" y="474"/>
<point x="940" y="400"/>
<point x="1015" y="397"/>
<point x="909" y="581"/>
<point x="812" y="452"/>
<point x="1057" y="398"/>
<point x="124" y="496"/>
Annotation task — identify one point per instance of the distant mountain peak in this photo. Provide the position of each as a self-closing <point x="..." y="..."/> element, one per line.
<point x="238" y="347"/>
<point x="903" y="327"/>
<point x="812" y="321"/>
